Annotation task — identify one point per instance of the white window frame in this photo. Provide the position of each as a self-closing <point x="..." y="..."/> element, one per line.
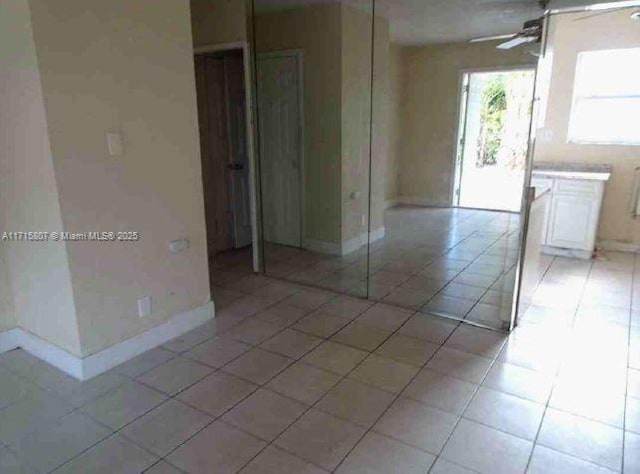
<point x="576" y="98"/>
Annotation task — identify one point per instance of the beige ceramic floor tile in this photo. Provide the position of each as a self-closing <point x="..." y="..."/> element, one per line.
<point x="335" y="357"/>
<point x="219" y="448"/>
<point x="347" y="307"/>
<point x="276" y="461"/>
<point x="417" y="425"/>
<point x="218" y="351"/>
<point x="217" y="393"/>
<point x="265" y="414"/>
<point x="519" y="381"/>
<point x="282" y="314"/>
<point x="582" y="438"/>
<point x="385" y="316"/>
<point x="355" y="402"/>
<point x="321" y="324"/>
<point x="361" y="336"/>
<point x="175" y="375"/>
<point x="114" y="455"/>
<point x="10" y="463"/>
<point x="253" y="331"/>
<point x="440" y="391"/>
<point x="428" y="328"/>
<point x="145" y="362"/>
<point x="377" y="454"/>
<point x="463" y="365"/>
<point x="631" y="452"/>
<point x="123" y="405"/>
<point x="303" y="382"/>
<point x="477" y="341"/>
<point x="166" y="427"/>
<point x="321" y="439"/>
<point x="291" y="343"/>
<point x="257" y="366"/>
<point x="55" y="443"/>
<point x="548" y="461"/>
<point x="384" y="373"/>
<point x="507" y="413"/>
<point x="407" y="349"/>
<point x="479" y="448"/>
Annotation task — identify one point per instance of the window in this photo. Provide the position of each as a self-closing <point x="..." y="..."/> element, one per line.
<point x="606" y="98"/>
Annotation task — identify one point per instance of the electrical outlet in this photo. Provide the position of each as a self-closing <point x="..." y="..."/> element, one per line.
<point x="144" y="306"/>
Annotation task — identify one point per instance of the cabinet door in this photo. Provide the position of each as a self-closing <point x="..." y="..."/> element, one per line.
<point x="572" y="222"/>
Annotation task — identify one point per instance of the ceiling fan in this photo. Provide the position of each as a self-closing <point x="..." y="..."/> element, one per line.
<point x="531" y="32"/>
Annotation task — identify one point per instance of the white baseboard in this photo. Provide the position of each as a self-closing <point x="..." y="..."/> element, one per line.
<point x="323" y="246"/>
<point x="9" y="340"/>
<point x="345" y="247"/>
<point x="417" y="201"/>
<point x="84" y="368"/>
<point x="569" y="253"/>
<point x="357" y="242"/>
<point x="617" y="246"/>
<point x="391" y="203"/>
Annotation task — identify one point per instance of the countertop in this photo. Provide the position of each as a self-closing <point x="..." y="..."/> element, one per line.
<point x="566" y="170"/>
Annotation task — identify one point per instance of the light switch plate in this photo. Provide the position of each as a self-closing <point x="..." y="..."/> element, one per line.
<point x="115" y="146"/>
<point x="144" y="306"/>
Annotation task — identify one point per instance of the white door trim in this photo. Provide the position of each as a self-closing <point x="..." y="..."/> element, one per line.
<point x="246" y="58"/>
<point x="463" y="102"/>
<point x="299" y="55"/>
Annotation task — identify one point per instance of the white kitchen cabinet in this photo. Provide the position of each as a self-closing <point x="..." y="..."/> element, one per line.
<point x="572" y="216"/>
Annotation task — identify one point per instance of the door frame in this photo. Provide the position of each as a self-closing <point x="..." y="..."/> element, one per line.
<point x="246" y="59"/>
<point x="463" y="102"/>
<point x="299" y="55"/>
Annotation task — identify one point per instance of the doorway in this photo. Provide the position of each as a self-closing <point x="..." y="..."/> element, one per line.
<point x="493" y="133"/>
<point x="221" y="87"/>
<point x="281" y="158"/>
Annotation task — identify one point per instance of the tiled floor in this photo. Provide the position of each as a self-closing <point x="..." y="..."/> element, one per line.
<point x="454" y="262"/>
<point x="289" y="380"/>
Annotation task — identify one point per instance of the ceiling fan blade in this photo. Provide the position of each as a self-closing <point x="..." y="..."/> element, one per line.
<point x="517" y="41"/>
<point x="598" y="13"/>
<point x="493" y="38"/>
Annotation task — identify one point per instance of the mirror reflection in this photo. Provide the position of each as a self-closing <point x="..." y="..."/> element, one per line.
<point x="457" y="124"/>
<point x="582" y="232"/>
<point x="313" y="71"/>
<point x="393" y="159"/>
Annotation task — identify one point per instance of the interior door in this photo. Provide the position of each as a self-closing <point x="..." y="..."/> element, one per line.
<point x="214" y="144"/>
<point x="239" y="163"/>
<point x="280" y="147"/>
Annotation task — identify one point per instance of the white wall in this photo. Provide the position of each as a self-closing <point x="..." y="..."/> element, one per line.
<point x="38" y="272"/>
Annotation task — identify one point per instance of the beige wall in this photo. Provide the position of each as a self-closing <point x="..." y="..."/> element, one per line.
<point x="38" y="272"/>
<point x="124" y="66"/>
<point x="567" y="38"/>
<point x="336" y="44"/>
<point x="218" y="21"/>
<point x="394" y="115"/>
<point x="384" y="132"/>
<point x="316" y="31"/>
<point x="430" y="78"/>
<point x="356" y="119"/>
<point x="7" y="315"/>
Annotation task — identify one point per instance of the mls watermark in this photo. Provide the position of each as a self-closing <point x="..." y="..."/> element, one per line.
<point x="92" y="236"/>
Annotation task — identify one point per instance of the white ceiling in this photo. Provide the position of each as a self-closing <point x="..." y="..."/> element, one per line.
<point x="416" y="22"/>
